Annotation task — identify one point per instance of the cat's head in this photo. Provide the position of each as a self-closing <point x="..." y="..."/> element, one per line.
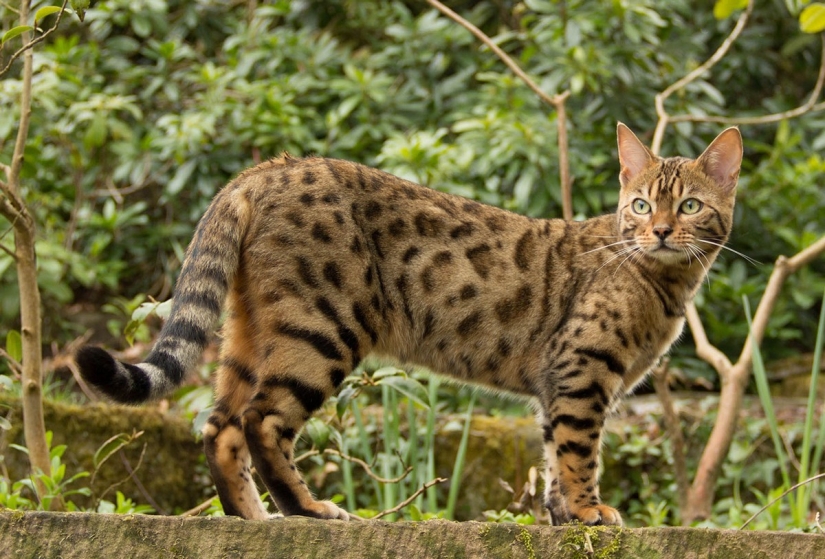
<point x="678" y="209"/>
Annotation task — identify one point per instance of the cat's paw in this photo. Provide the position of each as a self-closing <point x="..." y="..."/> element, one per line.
<point x="602" y="515"/>
<point x="327" y="510"/>
<point x="558" y="509"/>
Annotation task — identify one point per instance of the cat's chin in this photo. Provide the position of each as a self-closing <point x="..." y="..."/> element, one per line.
<point x="666" y="255"/>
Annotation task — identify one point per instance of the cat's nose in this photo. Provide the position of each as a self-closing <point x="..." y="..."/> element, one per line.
<point x="662" y="231"/>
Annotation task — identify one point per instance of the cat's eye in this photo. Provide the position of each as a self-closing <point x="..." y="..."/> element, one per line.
<point x="690" y="206"/>
<point x="640" y="206"/>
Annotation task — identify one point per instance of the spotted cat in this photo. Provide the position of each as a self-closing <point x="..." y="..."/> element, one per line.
<point x="321" y="261"/>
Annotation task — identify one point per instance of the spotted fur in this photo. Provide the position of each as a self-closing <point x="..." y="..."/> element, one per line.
<point x="321" y="262"/>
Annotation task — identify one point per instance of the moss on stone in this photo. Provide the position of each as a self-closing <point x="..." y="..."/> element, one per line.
<point x="172" y="470"/>
<point x="82" y="535"/>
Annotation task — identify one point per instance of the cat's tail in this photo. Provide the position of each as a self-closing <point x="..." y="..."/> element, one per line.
<point x="208" y="271"/>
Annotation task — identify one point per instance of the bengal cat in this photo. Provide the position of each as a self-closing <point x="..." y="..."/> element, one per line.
<point x="321" y="261"/>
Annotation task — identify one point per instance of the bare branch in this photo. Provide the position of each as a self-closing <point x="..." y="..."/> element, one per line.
<point x="353" y="459"/>
<point x="809" y="106"/>
<point x="674" y="430"/>
<point x="13" y="363"/>
<point x="660" y="98"/>
<point x="557" y="101"/>
<point x="784" y="267"/>
<point x="409" y="499"/>
<point x="34" y="41"/>
<point x="564" y="164"/>
<point x="734" y="379"/>
<point x="704" y="349"/>
<point x="138" y="484"/>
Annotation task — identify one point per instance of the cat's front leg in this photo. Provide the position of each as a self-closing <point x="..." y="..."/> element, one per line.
<point x="572" y="425"/>
<point x="572" y="472"/>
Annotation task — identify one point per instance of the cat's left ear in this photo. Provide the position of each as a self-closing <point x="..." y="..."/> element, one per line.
<point x="634" y="157"/>
<point x="722" y="159"/>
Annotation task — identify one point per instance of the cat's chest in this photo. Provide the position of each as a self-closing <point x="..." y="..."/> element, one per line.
<point x="655" y="345"/>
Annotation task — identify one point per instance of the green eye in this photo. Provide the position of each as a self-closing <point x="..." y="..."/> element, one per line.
<point x="640" y="206"/>
<point x="690" y="206"/>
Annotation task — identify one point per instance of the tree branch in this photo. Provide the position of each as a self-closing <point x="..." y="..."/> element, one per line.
<point x="779" y="497"/>
<point x="353" y="459"/>
<point x="734" y="378"/>
<point x="810" y="105"/>
<point x="660" y="98"/>
<point x="674" y="430"/>
<point x="556" y="101"/>
<point x="30" y="44"/>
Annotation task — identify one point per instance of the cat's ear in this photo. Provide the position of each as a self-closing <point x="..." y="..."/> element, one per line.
<point x="634" y="156"/>
<point x="722" y="159"/>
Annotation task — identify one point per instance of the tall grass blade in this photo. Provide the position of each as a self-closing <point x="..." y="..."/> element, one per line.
<point x="458" y="467"/>
<point x="364" y="443"/>
<point x="390" y="442"/>
<point x="764" y="391"/>
<point x="818" y="347"/>
<point x="429" y="442"/>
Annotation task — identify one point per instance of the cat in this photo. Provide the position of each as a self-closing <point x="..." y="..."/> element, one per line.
<point x="322" y="261"/>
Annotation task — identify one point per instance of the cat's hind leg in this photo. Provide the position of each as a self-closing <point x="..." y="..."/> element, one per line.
<point x="224" y="441"/>
<point x="553" y="499"/>
<point x="304" y="365"/>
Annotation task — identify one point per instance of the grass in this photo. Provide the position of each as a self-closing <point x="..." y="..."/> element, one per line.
<point x="811" y="454"/>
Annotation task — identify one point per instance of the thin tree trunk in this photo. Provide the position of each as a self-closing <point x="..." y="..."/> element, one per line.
<point x="34" y="427"/>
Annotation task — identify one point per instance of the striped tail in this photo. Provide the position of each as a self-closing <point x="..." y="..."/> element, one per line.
<point x="208" y="270"/>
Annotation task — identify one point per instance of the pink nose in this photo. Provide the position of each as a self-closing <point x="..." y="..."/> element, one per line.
<point x="662" y="231"/>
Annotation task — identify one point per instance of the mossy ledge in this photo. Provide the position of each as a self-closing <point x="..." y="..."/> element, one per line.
<point x="67" y="535"/>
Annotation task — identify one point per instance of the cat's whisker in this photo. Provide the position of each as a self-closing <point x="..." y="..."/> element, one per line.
<point x="638" y="250"/>
<point x="745" y="256"/>
<point x="608" y="246"/>
<point x="698" y="253"/>
<point x="618" y="254"/>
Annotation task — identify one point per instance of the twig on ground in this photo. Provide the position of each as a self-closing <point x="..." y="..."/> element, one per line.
<point x="159" y="509"/>
<point x="195" y="511"/>
<point x="788" y="490"/>
<point x="409" y="499"/>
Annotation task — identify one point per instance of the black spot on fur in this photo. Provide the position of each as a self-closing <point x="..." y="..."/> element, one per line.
<point x="320" y="233"/>
<point x="468" y="292"/>
<point x="428" y="226"/>
<point x="464" y="230"/>
<point x="508" y="310"/>
<point x="332" y="274"/>
<point x="322" y="343"/>
<point x="397" y="227"/>
<point x="411" y="253"/>
<point x="480" y="257"/>
<point x="524" y="249"/>
<point x="373" y="210"/>
<point x="306" y="273"/>
<point x="469" y="325"/>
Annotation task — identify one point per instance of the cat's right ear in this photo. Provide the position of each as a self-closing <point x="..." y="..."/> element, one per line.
<point x="634" y="156"/>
